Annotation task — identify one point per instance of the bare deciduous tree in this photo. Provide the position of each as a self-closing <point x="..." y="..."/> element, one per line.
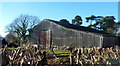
<point x="22" y="26"/>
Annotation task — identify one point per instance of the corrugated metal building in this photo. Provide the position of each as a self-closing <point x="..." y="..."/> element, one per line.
<point x="49" y="32"/>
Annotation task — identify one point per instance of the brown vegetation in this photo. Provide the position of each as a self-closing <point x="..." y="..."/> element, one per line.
<point x="30" y="55"/>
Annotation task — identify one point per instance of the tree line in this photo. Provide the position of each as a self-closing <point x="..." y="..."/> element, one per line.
<point x="20" y="29"/>
<point x="101" y="23"/>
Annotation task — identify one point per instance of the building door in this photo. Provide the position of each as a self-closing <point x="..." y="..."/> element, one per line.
<point x="45" y="39"/>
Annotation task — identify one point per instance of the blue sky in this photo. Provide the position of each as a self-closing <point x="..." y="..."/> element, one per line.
<point x="59" y="0"/>
<point x="55" y="10"/>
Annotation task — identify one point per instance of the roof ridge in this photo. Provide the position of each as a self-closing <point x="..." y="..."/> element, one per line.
<point x="82" y="28"/>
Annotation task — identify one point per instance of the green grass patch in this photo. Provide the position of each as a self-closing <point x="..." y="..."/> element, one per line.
<point x="48" y="51"/>
<point x="64" y="60"/>
<point x="10" y="48"/>
<point x="60" y="52"/>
